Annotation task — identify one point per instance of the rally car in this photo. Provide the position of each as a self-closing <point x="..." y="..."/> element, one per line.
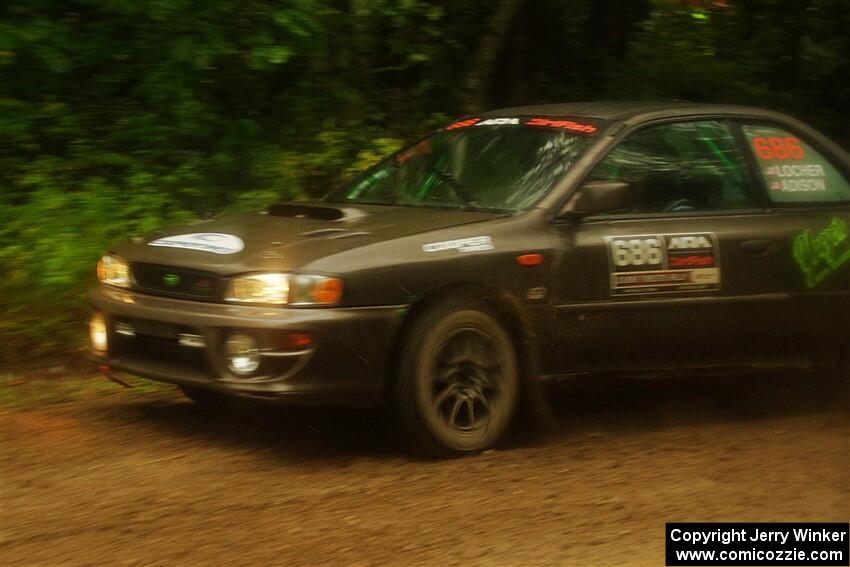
<point x="505" y="249"/>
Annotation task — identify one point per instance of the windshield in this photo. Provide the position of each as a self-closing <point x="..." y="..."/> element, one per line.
<point x="504" y="164"/>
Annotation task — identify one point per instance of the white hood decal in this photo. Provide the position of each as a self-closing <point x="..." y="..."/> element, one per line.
<point x="214" y="242"/>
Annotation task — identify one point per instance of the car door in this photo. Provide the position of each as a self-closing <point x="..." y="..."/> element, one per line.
<point x="808" y="197"/>
<point x="687" y="276"/>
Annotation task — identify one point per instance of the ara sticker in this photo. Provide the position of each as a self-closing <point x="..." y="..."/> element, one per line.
<point x="663" y="263"/>
<point x="499" y="122"/>
<point x="214" y="242"/>
<point x="821" y="254"/>
<point x="473" y="244"/>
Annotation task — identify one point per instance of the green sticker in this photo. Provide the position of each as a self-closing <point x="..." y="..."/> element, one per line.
<point x="821" y="254"/>
<point x="171" y="280"/>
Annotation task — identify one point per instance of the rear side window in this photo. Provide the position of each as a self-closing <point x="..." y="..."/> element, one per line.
<point x="792" y="170"/>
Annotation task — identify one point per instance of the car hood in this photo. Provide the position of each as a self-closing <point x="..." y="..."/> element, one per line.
<point x="287" y="236"/>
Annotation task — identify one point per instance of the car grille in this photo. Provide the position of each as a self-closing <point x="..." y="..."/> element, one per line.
<point x="154" y="348"/>
<point x="177" y="282"/>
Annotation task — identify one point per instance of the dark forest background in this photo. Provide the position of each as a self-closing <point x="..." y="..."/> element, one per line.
<point x="119" y="116"/>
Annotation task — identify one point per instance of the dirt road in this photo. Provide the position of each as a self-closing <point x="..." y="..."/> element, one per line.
<point x="150" y="479"/>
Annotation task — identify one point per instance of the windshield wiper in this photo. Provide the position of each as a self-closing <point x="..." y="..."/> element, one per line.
<point x="459" y="190"/>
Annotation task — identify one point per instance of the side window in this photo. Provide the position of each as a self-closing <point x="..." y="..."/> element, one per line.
<point x="792" y="170"/>
<point x="679" y="167"/>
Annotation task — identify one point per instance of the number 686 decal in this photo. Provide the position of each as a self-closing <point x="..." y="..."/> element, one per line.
<point x="663" y="263"/>
<point x="645" y="251"/>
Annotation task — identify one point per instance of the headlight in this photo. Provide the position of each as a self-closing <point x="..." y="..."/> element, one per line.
<point x="259" y="288"/>
<point x="113" y="271"/>
<point x="285" y="289"/>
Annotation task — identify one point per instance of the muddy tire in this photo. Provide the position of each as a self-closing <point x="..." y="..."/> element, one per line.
<point x="458" y="381"/>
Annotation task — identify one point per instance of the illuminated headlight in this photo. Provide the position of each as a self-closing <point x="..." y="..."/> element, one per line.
<point x="243" y="354"/>
<point x="259" y="288"/>
<point x="285" y="289"/>
<point x="112" y="270"/>
<point x="98" y="333"/>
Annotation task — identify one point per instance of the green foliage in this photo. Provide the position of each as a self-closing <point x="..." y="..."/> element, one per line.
<point x="790" y="55"/>
<point x="120" y="116"/>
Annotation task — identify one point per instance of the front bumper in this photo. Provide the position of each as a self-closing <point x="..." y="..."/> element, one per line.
<point x="348" y="362"/>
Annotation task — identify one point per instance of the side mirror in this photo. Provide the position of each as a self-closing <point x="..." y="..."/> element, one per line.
<point x="598" y="197"/>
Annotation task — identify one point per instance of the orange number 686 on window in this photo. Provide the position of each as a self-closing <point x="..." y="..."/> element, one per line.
<point x="778" y="148"/>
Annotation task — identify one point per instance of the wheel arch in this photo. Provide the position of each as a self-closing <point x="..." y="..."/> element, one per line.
<point x="507" y="308"/>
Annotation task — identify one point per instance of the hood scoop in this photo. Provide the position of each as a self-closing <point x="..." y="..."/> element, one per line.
<point x="315" y="212"/>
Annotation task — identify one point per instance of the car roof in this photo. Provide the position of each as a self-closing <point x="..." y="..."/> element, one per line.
<point x="620" y="111"/>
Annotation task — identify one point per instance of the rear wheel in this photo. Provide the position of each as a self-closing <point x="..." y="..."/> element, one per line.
<point x="458" y="380"/>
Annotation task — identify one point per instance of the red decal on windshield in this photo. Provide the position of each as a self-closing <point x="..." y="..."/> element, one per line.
<point x="463" y="124"/>
<point x="423" y="147"/>
<point x="563" y="124"/>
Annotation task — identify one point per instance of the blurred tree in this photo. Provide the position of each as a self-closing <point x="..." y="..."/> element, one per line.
<point x="491" y="43"/>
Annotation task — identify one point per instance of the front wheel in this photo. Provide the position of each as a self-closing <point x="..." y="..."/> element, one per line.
<point x="458" y="381"/>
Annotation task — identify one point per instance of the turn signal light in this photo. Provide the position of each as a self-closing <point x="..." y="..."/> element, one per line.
<point x="529" y="259"/>
<point x="327" y="291"/>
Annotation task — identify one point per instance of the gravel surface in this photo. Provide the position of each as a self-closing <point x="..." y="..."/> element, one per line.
<point x="151" y="479"/>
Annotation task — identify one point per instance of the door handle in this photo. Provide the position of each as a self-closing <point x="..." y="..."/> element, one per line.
<point x="758" y="248"/>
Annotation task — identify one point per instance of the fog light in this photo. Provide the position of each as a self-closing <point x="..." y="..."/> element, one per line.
<point x="98" y="334"/>
<point x="243" y="354"/>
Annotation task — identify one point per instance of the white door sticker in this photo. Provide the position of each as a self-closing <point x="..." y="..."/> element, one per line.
<point x="474" y="244"/>
<point x="214" y="242"/>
